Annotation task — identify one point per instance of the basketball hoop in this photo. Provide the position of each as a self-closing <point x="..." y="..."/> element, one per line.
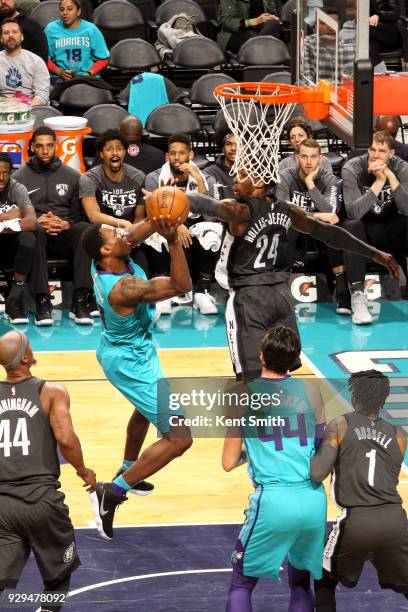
<point x="256" y="114"/>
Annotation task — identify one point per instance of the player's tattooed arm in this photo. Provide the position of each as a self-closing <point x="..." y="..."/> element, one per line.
<point x="322" y="463"/>
<point x="340" y="239"/>
<point x="225" y="210"/>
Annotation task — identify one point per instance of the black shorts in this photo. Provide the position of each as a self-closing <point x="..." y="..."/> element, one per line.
<point x="378" y="534"/>
<point x="249" y="313"/>
<point x="43" y="527"/>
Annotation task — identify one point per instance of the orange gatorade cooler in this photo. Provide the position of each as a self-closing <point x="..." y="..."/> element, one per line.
<point x="70" y="133"/>
<point x="16" y="128"/>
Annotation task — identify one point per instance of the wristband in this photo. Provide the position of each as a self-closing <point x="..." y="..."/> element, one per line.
<point x="248" y="23"/>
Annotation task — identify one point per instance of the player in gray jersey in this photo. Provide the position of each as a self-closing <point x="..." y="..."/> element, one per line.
<point x="34" y="417"/>
<point x="257" y="264"/>
<point x="365" y="453"/>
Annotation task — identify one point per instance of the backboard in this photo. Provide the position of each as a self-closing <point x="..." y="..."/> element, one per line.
<point x="332" y="44"/>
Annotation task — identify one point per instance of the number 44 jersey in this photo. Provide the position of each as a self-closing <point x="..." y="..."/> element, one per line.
<point x="28" y="450"/>
<point x="260" y="255"/>
<point x="368" y="463"/>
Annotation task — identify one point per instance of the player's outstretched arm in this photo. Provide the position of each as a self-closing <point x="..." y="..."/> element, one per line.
<point x="139" y="232"/>
<point x="340" y="239"/>
<point x="224" y="210"/>
<point x="132" y="290"/>
<point x="233" y="453"/>
<point x="61" y="425"/>
<point x="322" y="463"/>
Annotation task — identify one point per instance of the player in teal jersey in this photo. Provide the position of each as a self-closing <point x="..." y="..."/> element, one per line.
<point x="75" y="46"/>
<point x="287" y="512"/>
<point x="128" y="356"/>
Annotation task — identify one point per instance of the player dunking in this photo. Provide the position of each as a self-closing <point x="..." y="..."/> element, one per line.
<point x="366" y="454"/>
<point x="127" y="354"/>
<point x="34" y="416"/>
<point x="258" y="259"/>
<point x="287" y="513"/>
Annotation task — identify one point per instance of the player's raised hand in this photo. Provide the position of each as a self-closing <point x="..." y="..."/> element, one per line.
<point x="388" y="261"/>
<point x="166" y="227"/>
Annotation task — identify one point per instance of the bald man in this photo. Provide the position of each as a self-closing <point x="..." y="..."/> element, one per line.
<point x="34" y="417"/>
<point x="392" y="124"/>
<point x="140" y="155"/>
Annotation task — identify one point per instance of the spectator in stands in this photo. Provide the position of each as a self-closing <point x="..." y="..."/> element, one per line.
<point x="298" y="130"/>
<point x="391" y="124"/>
<point x="241" y="21"/>
<point x="316" y="190"/>
<point x="189" y="178"/>
<point x="23" y="75"/>
<point x="174" y="94"/>
<point x="327" y="52"/>
<point x="140" y="155"/>
<point x="220" y="170"/>
<point x="76" y="47"/>
<point x="34" y="38"/>
<point x="375" y="188"/>
<point x="112" y="192"/>
<point x="54" y="192"/>
<point x="17" y="238"/>
<point x="384" y="32"/>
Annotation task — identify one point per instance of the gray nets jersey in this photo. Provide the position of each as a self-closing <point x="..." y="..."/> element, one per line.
<point x="368" y="463"/>
<point x="29" y="462"/>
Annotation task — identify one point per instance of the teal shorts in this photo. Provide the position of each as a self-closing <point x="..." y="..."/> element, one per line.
<point x="283" y="521"/>
<point x="137" y="375"/>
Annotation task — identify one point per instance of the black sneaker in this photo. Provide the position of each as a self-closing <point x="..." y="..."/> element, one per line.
<point x="141" y="488"/>
<point x="80" y="311"/>
<point x="93" y="306"/>
<point x="14" y="311"/>
<point x="43" y="315"/>
<point x="104" y="503"/>
<point x="343" y="303"/>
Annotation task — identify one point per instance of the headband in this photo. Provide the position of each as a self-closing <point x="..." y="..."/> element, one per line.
<point x="20" y="353"/>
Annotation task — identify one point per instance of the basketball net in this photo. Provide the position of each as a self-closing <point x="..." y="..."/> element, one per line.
<point x="257" y="129"/>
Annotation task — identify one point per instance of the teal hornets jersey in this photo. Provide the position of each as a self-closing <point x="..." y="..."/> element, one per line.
<point x="134" y="330"/>
<point x="279" y="454"/>
<point x="75" y="49"/>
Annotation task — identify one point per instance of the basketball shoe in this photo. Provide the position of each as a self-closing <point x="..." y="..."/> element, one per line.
<point x="104" y="504"/>
<point x="141" y="488"/>
<point x="359" y="307"/>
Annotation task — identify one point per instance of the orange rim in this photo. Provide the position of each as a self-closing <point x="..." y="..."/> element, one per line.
<point x="265" y="93"/>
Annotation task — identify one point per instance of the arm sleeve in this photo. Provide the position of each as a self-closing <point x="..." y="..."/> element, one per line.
<point x="41" y="81"/>
<point x="400" y="194"/>
<point x="87" y="186"/>
<point x="283" y="189"/>
<point x="356" y="204"/>
<point x="52" y="67"/>
<point x="229" y="17"/>
<point x="325" y="199"/>
<point x="99" y="65"/>
<point x="21" y="195"/>
<point x="339" y="239"/>
<point x="99" y="48"/>
<point x="201" y="204"/>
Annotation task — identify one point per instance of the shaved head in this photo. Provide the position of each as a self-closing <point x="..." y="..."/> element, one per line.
<point x="387" y="123"/>
<point x="132" y="128"/>
<point x="13" y="346"/>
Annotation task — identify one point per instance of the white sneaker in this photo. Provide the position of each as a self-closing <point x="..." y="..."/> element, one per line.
<point x="359" y="307"/>
<point x="163" y="308"/>
<point x="205" y="303"/>
<point x="185" y="298"/>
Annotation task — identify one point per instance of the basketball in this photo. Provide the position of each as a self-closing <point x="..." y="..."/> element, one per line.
<point x="168" y="201"/>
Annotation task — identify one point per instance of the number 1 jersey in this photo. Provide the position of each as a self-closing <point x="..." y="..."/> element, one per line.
<point x="368" y="464"/>
<point x="29" y="462"/>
